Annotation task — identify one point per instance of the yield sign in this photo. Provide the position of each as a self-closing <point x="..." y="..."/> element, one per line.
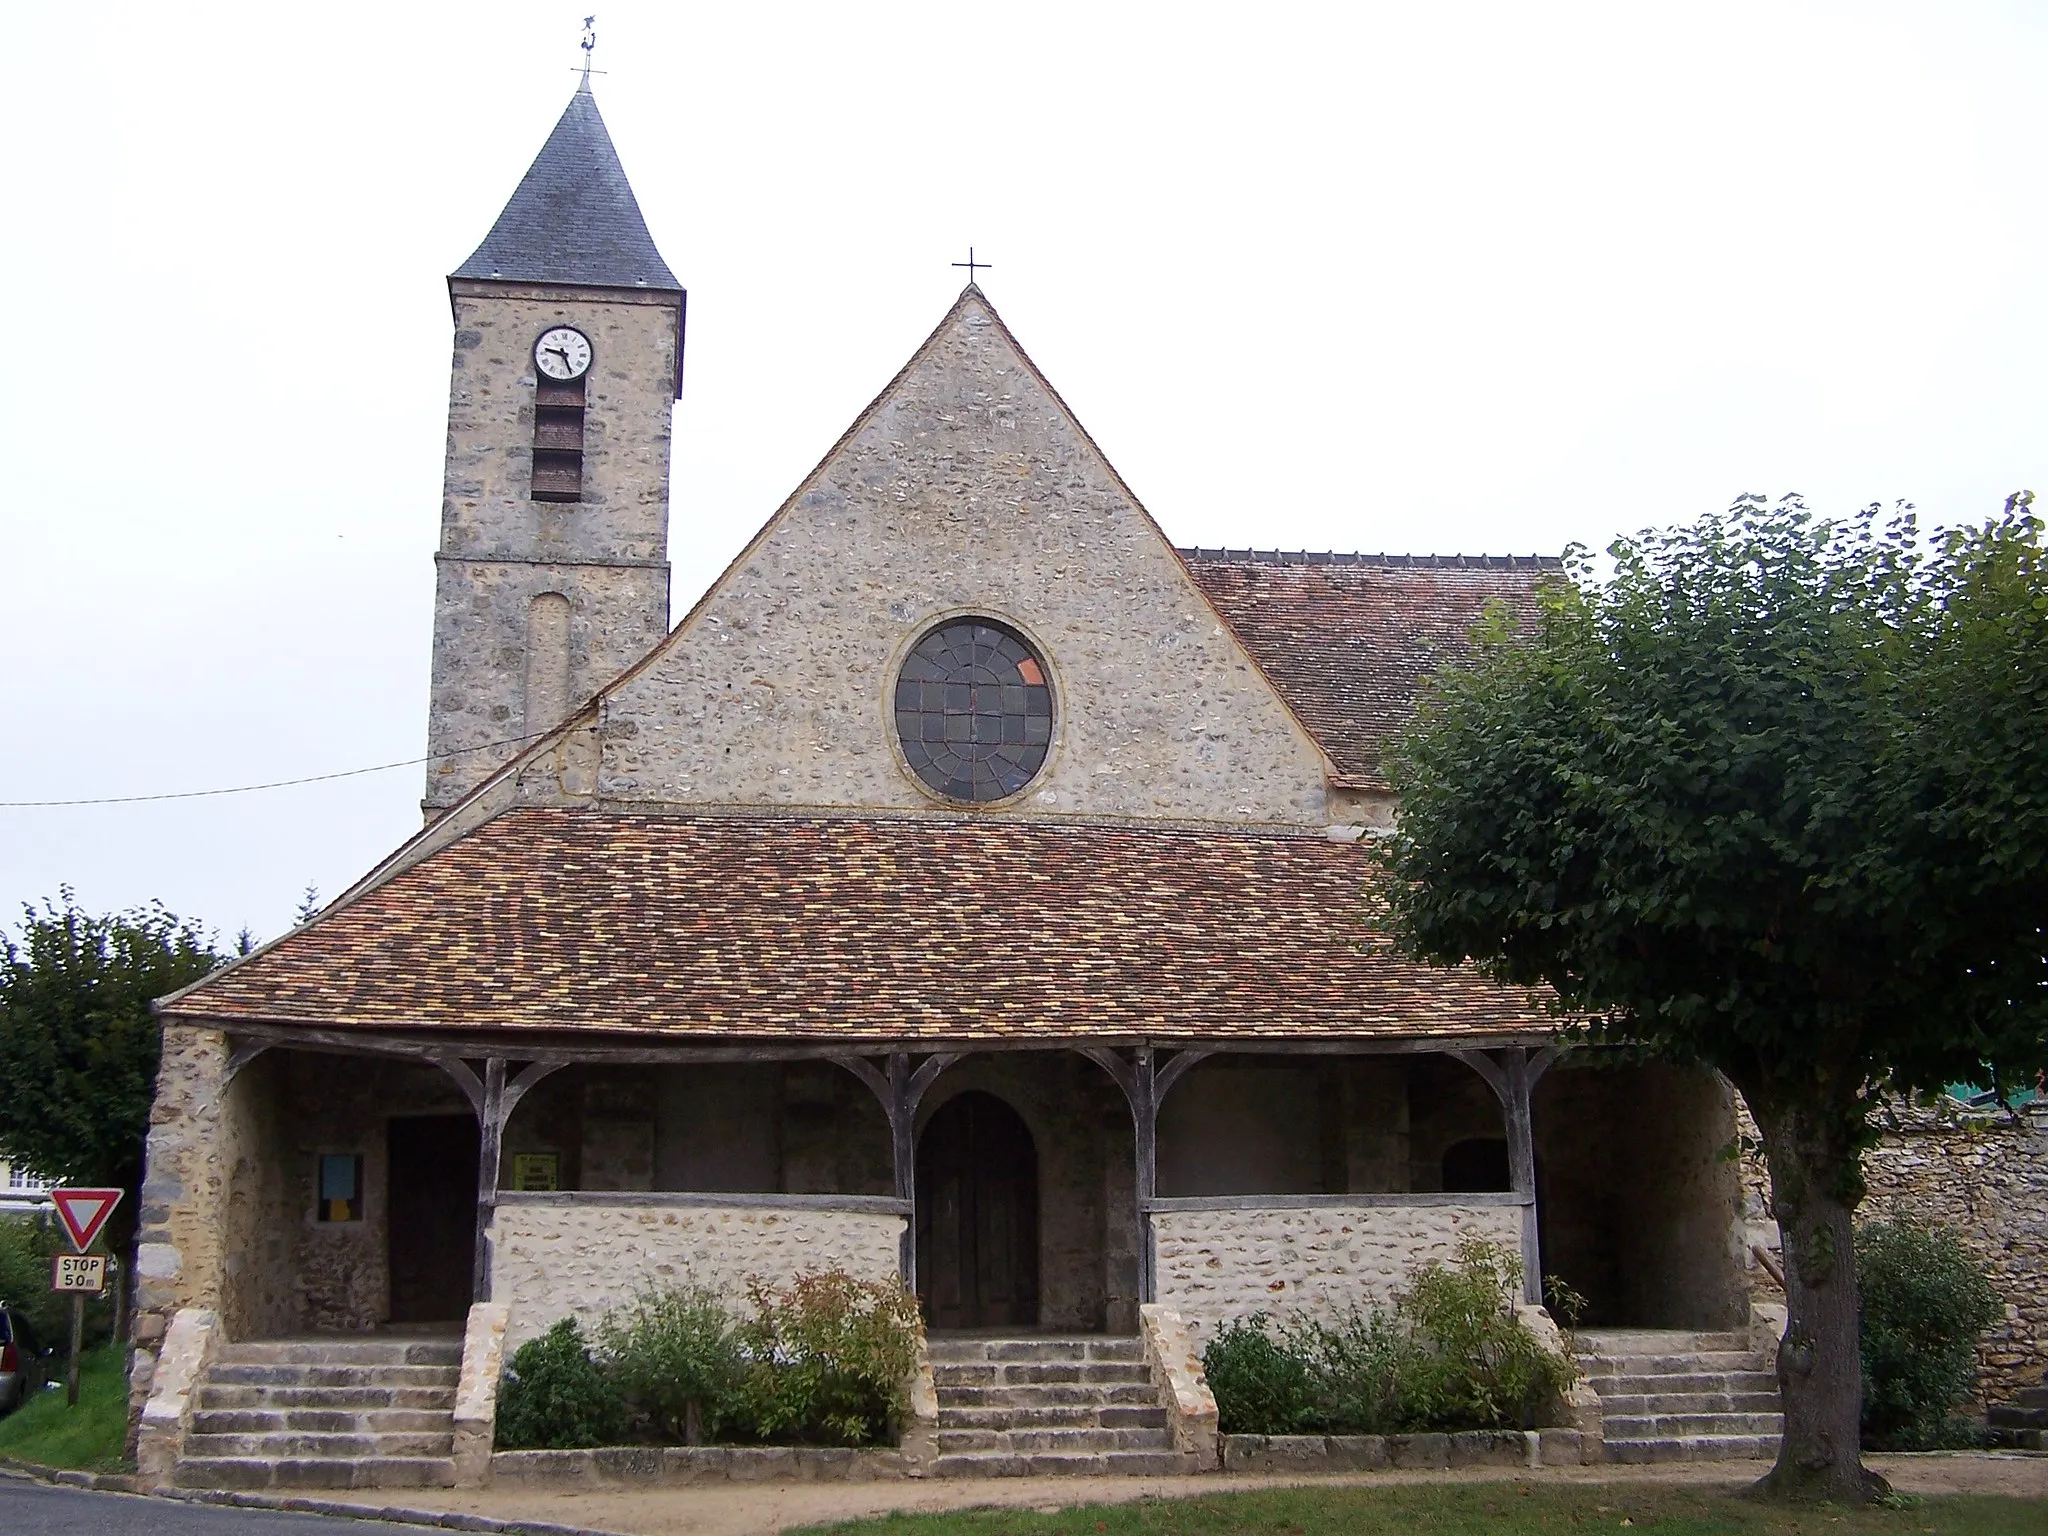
<point x="84" y="1212"/>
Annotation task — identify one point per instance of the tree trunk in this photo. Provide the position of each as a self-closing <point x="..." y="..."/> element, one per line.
<point x="1811" y="1150"/>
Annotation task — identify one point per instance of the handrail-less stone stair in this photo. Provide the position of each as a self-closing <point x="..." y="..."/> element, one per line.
<point x="1035" y="1406"/>
<point x="1678" y="1396"/>
<point x="324" y="1413"/>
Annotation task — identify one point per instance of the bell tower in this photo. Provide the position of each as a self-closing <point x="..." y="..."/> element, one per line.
<point x="552" y="572"/>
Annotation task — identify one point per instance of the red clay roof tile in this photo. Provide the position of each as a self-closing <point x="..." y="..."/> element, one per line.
<point x="862" y="930"/>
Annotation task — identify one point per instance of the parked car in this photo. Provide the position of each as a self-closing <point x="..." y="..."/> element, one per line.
<point x="21" y="1360"/>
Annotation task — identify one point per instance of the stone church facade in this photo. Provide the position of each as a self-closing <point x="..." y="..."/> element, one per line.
<point x="971" y="887"/>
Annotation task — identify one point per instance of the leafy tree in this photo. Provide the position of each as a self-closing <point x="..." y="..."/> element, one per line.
<point x="1772" y="797"/>
<point x="79" y="1046"/>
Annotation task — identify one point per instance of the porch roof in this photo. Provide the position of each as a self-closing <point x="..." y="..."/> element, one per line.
<point x="861" y="931"/>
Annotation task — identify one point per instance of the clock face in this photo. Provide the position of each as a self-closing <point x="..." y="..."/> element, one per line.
<point x="562" y="353"/>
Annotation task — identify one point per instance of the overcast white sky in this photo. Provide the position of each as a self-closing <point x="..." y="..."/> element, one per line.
<point x="1385" y="277"/>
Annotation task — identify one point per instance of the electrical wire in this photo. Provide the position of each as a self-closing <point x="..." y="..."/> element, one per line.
<point x="250" y="789"/>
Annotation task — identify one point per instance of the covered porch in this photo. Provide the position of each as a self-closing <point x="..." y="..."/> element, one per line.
<point x="1055" y="1187"/>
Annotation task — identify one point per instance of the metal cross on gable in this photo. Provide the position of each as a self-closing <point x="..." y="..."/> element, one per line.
<point x="974" y="266"/>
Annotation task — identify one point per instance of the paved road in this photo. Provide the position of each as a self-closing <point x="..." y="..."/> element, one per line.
<point x="37" y="1509"/>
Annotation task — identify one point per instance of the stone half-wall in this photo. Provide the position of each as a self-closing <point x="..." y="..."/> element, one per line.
<point x="554" y="1256"/>
<point x="1216" y="1261"/>
<point x="1983" y="1177"/>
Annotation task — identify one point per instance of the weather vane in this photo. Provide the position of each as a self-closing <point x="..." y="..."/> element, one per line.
<point x="974" y="266"/>
<point x="589" y="45"/>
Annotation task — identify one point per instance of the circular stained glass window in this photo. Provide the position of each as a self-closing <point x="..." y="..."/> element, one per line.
<point x="974" y="711"/>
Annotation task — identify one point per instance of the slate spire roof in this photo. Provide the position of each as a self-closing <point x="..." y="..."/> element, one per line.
<point x="574" y="218"/>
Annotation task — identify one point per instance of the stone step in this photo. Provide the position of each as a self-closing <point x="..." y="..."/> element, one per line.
<point x="1693" y="1448"/>
<point x="2031" y="1397"/>
<point x="213" y="1394"/>
<point x="2004" y="1416"/>
<point x="1048" y="1464"/>
<point x="1658" y="1341"/>
<point x="364" y="1472"/>
<point x="1033" y="1373"/>
<point x="288" y="1445"/>
<point x="1682" y="1426"/>
<point x="344" y="1351"/>
<point x="306" y="1375"/>
<point x="1061" y="1441"/>
<point x="1067" y="1416"/>
<point x="1727" y="1361"/>
<point x="1632" y="1403"/>
<point x="1050" y="1396"/>
<point x="957" y="1347"/>
<point x="1687" y="1383"/>
<point x="324" y="1421"/>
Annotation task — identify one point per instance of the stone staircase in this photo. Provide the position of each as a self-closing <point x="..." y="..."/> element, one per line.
<point x="2022" y="1423"/>
<point x="1032" y="1406"/>
<point x="325" y="1413"/>
<point x="1673" y="1396"/>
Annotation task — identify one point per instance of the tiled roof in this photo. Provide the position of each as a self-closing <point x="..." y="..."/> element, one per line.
<point x="861" y="929"/>
<point x="1348" y="639"/>
<point x="574" y="218"/>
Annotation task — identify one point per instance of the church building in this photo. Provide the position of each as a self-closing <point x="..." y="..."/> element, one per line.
<point x="971" y="886"/>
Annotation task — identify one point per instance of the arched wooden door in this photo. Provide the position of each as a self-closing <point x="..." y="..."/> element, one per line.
<point x="977" y="1216"/>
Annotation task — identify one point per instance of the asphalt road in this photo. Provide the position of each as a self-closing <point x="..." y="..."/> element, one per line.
<point x="37" y="1509"/>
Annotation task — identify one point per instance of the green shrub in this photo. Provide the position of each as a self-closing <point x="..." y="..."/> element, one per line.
<point x="1262" y="1385"/>
<point x="1451" y="1355"/>
<point x="827" y="1360"/>
<point x="555" y="1397"/>
<point x="1925" y="1305"/>
<point x="1479" y="1366"/>
<point x="676" y="1354"/>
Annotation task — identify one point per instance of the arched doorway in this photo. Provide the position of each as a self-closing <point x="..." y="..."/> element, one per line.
<point x="977" y="1216"/>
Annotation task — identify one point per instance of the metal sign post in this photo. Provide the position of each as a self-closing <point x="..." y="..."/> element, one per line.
<point x="81" y="1212"/>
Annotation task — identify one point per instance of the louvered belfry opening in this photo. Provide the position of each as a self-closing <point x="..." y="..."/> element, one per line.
<point x="558" y="439"/>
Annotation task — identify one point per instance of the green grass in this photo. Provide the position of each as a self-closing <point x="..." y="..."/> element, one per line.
<point x="1476" y="1509"/>
<point x="91" y="1436"/>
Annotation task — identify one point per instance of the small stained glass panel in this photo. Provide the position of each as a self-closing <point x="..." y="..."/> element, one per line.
<point x="976" y="687"/>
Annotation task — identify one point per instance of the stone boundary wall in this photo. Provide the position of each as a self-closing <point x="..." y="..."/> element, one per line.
<point x="1985" y="1178"/>
<point x="1214" y="1265"/>
<point x="1982" y="1176"/>
<point x="551" y="1260"/>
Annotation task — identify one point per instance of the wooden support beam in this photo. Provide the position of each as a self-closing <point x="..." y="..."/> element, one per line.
<point x="1512" y="1076"/>
<point x="244" y="1053"/>
<point x="491" y="1123"/>
<point x="1145" y="1084"/>
<point x="901" y="1090"/>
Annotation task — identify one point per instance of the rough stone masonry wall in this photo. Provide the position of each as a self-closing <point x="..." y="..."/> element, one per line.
<point x="1215" y="1265"/>
<point x="552" y="1259"/>
<point x="195" y="1135"/>
<point x="968" y="490"/>
<point x="1984" y="1178"/>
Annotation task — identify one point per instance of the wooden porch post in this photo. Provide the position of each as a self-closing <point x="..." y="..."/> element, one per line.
<point x="901" y="1090"/>
<point x="493" y="1099"/>
<point x="1144" y="1086"/>
<point x="1513" y="1080"/>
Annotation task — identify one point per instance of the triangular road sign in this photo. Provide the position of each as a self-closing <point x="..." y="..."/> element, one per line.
<point x="84" y="1212"/>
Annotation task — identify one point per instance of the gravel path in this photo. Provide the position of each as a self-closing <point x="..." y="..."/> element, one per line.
<point x="762" y="1509"/>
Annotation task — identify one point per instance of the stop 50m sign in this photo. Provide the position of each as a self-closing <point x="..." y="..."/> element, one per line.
<point x="80" y="1272"/>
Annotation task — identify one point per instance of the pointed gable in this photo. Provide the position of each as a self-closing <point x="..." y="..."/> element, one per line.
<point x="574" y="218"/>
<point x="965" y="489"/>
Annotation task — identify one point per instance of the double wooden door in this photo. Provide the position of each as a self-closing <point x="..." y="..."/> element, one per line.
<point x="977" y="1216"/>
